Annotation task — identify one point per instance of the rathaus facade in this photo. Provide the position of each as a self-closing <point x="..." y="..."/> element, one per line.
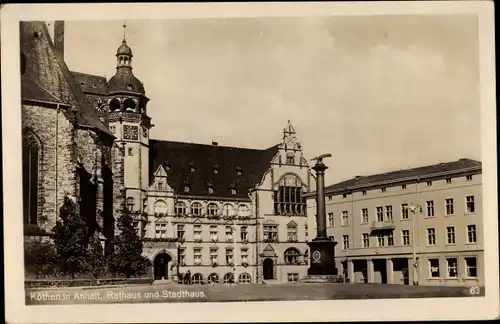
<point x="223" y="213"/>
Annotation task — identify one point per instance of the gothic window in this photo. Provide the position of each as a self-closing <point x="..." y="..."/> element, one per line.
<point x="180" y="208"/>
<point x="31" y="170"/>
<point x="131" y="204"/>
<point x="196" y="209"/>
<point x="288" y="198"/>
<point x="291" y="229"/>
<point x="160" y="207"/>
<point x="292" y="256"/>
<point x="212" y="209"/>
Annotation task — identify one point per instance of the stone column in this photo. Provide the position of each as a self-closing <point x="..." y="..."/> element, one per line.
<point x="320" y="199"/>
<point x="390" y="271"/>
<point x="370" y="271"/>
<point x="350" y="271"/>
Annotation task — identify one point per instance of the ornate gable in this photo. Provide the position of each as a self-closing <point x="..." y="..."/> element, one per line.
<point x="290" y="149"/>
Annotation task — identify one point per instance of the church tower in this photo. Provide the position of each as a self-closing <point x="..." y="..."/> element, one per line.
<point x="129" y="121"/>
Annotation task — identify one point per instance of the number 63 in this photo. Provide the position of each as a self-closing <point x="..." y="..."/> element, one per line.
<point x="474" y="290"/>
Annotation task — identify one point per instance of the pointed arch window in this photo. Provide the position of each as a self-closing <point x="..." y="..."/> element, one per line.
<point x="288" y="197"/>
<point x="31" y="174"/>
<point x="291" y="229"/>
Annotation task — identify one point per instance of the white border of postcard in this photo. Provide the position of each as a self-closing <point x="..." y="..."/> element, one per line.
<point x="329" y="310"/>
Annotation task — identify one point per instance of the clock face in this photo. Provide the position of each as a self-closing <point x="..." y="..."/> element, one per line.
<point x="100" y="105"/>
<point x="130" y="132"/>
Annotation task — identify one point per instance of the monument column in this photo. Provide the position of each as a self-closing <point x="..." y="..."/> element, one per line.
<point x="322" y="248"/>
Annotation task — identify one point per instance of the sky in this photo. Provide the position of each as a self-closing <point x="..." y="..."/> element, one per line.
<point x="380" y="93"/>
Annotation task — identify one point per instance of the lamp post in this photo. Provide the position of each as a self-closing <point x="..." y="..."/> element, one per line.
<point x="179" y="243"/>
<point x="414" y="209"/>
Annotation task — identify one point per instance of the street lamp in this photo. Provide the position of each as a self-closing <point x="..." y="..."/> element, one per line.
<point x="179" y="243"/>
<point x="414" y="209"/>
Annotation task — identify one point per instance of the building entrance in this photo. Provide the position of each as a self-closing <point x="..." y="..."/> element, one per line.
<point x="268" y="268"/>
<point x="161" y="266"/>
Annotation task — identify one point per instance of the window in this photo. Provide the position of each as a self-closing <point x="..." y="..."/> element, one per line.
<point x="345" y="218"/>
<point x="380" y="214"/>
<point x="243" y="210"/>
<point x="292" y="277"/>
<point x="270" y="232"/>
<point x="186" y="188"/>
<point x="468" y="178"/>
<point x="210" y="190"/>
<point x="288" y="198"/>
<point x="228" y="277"/>
<point x="216" y="169"/>
<point x="449" y="206"/>
<point x="214" y="235"/>
<point x="243" y="233"/>
<point x="160" y="186"/>
<point x="160" y="230"/>
<point x="434" y="268"/>
<point x="403" y="187"/>
<point x="345" y="242"/>
<point x="160" y="207"/>
<point x="429" y="183"/>
<point x="390" y="239"/>
<point x="212" y="209"/>
<point x="405" y="234"/>
<point x="182" y="256"/>
<point x="363" y="192"/>
<point x="329" y="197"/>
<point x="180" y="208"/>
<point x="431" y="236"/>
<point x="197" y="279"/>
<point x="233" y="191"/>
<point x="180" y="231"/>
<point x="450" y="234"/>
<point x="213" y="278"/>
<point x="388" y="213"/>
<point x="292" y="256"/>
<point x="131" y="204"/>
<point x="245" y="278"/>
<point x="291" y="231"/>
<point x="331" y="220"/>
<point x="366" y="240"/>
<point x="383" y="189"/>
<point x="229" y="256"/>
<point x="197" y="256"/>
<point x="471" y="234"/>
<point x="364" y="215"/>
<point x="112" y="128"/>
<point x="229" y="234"/>
<point x="344" y="195"/>
<point x="197" y="233"/>
<point x="305" y="228"/>
<point x="290" y="159"/>
<point x="448" y="180"/>
<point x="380" y="239"/>
<point x="404" y="211"/>
<point x="471" y="267"/>
<point x="196" y="209"/>
<point x="430" y="208"/>
<point x="470" y="204"/>
<point x="244" y="255"/>
<point x="214" y="256"/>
<point x="452" y="267"/>
<point x="130" y="151"/>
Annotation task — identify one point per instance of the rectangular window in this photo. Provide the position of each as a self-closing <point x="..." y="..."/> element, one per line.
<point x="291" y="232"/>
<point x="403" y="187"/>
<point x="450" y="234"/>
<point x="244" y="255"/>
<point x="364" y="215"/>
<point x="471" y="234"/>
<point x="292" y="277"/>
<point x="229" y="234"/>
<point x="429" y="183"/>
<point x="430" y="208"/>
<point x="160" y="230"/>
<point x="383" y="189"/>
<point x="405" y="234"/>
<point x="214" y="233"/>
<point x="214" y="256"/>
<point x="471" y="208"/>
<point x="331" y="220"/>
<point x="160" y="186"/>
<point x="431" y="236"/>
<point x="380" y="214"/>
<point x="345" y="242"/>
<point x="404" y="211"/>
<point x="180" y="231"/>
<point x="449" y="206"/>
<point x="345" y="218"/>
<point x="112" y="128"/>
<point x="380" y="240"/>
<point x="448" y="180"/>
<point x="390" y="239"/>
<point x="244" y="233"/>
<point x="329" y="197"/>
<point x="471" y="267"/>
<point x="363" y="192"/>
<point x="182" y="256"/>
<point x="197" y="232"/>
<point x="366" y="240"/>
<point x="270" y="232"/>
<point x="130" y="151"/>
<point x="388" y="213"/>
<point x="197" y="256"/>
<point x="344" y="195"/>
<point x="434" y="268"/>
<point x="229" y="256"/>
<point x="452" y="267"/>
<point x="468" y="178"/>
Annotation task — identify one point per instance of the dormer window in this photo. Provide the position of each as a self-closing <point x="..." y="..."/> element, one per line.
<point x="290" y="159"/>
<point x="167" y="166"/>
<point x="160" y="186"/>
<point x="239" y="170"/>
<point x="233" y="191"/>
<point x="210" y="190"/>
<point x="186" y="188"/>
<point x="216" y="169"/>
<point x="191" y="167"/>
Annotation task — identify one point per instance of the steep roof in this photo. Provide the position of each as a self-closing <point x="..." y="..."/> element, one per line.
<point x="181" y="157"/>
<point x="91" y="83"/>
<point x="429" y="171"/>
<point x="32" y="90"/>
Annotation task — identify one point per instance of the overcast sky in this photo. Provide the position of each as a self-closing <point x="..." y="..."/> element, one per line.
<point x="380" y="93"/>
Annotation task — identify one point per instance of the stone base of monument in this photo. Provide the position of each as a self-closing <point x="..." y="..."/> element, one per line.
<point x="322" y="279"/>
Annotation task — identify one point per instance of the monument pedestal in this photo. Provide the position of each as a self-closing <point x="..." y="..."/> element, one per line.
<point x="322" y="266"/>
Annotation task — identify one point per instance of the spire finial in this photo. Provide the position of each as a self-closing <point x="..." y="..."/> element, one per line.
<point x="124" y="29"/>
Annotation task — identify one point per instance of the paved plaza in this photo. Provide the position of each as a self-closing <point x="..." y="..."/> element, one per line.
<point x="243" y="292"/>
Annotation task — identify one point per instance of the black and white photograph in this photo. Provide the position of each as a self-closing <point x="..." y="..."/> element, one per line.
<point x="272" y="156"/>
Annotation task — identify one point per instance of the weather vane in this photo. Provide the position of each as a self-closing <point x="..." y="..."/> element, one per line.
<point x="124" y="29"/>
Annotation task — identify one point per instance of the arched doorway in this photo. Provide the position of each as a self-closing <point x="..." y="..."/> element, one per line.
<point x="161" y="266"/>
<point x="268" y="269"/>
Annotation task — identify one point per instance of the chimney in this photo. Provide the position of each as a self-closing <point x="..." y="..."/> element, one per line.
<point x="215" y="143"/>
<point x="59" y="36"/>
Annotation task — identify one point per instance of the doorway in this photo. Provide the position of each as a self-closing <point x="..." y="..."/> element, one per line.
<point x="380" y="269"/>
<point x="268" y="268"/>
<point x="161" y="266"/>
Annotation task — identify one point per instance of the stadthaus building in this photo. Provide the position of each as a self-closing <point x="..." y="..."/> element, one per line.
<point x="416" y="226"/>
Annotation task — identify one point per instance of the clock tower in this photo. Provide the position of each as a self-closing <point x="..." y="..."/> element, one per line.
<point x="128" y="119"/>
